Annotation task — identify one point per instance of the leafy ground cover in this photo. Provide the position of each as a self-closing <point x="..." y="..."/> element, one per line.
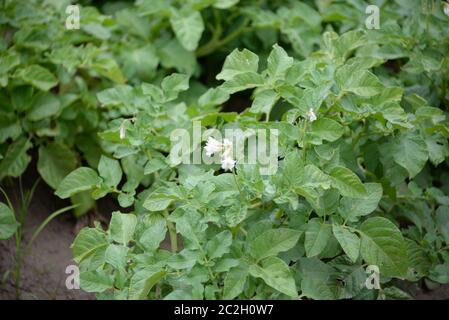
<point x="360" y="179"/>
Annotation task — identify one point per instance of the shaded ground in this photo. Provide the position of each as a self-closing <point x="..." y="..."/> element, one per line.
<point x="43" y="272"/>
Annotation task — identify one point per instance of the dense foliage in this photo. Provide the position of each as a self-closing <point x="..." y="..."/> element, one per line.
<point x="365" y="183"/>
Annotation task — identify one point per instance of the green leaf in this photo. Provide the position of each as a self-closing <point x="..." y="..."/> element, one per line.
<point x="442" y="222"/>
<point x="325" y="129"/>
<point x="347" y="183"/>
<point x="95" y="281"/>
<point x="272" y="242"/>
<point x="143" y="281"/>
<point x="238" y="62"/>
<point x="175" y="82"/>
<point x="122" y="227"/>
<point x="352" y="208"/>
<point x="219" y="245"/>
<point x="16" y="159"/>
<point x="242" y="81"/>
<point x="56" y="161"/>
<point x="383" y="245"/>
<point x="410" y="152"/>
<point x="39" y="77"/>
<point x="348" y="241"/>
<point x="188" y="27"/>
<point x="87" y="243"/>
<point x="154" y="234"/>
<point x="317" y="237"/>
<point x="264" y="101"/>
<point x="81" y="179"/>
<point x="116" y="255"/>
<point x="276" y="274"/>
<point x="278" y="63"/>
<point x="8" y="223"/>
<point x="158" y="200"/>
<point x="234" y="282"/>
<point x="44" y="106"/>
<point x="360" y="82"/>
<point x="110" y="170"/>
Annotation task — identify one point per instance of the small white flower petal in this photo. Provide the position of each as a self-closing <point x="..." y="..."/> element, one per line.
<point x="212" y="146"/>
<point x="122" y="131"/>
<point x="311" y="115"/>
<point x="446" y="8"/>
<point x="227" y="163"/>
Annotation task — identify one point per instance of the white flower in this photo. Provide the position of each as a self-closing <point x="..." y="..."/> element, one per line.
<point x="227" y="163"/>
<point x="213" y="146"/>
<point x="311" y="115"/>
<point x="122" y="131"/>
<point x="446" y="8"/>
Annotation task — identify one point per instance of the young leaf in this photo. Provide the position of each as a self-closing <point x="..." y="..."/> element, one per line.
<point x="110" y="171"/>
<point x="278" y="63"/>
<point x="122" y="227"/>
<point x="188" y="27"/>
<point x="348" y="241"/>
<point x="81" y="179"/>
<point x="238" y="62"/>
<point x="39" y="77"/>
<point x="219" y="245"/>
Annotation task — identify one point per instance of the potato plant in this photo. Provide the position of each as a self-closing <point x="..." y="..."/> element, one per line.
<point x="361" y="180"/>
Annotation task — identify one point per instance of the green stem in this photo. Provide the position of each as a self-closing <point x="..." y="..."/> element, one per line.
<point x="214" y="43"/>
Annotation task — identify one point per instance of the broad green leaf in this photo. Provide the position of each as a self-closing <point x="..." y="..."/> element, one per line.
<point x="55" y="162"/>
<point x="276" y="274"/>
<point x="278" y="63"/>
<point x="360" y="82"/>
<point x="234" y="282"/>
<point x="317" y="237"/>
<point x="87" y="243"/>
<point x="16" y="159"/>
<point x="8" y="223"/>
<point x="219" y="245"/>
<point x="9" y="126"/>
<point x="349" y="241"/>
<point x="95" y="281"/>
<point x="325" y="129"/>
<point x="122" y="227"/>
<point x="383" y="245"/>
<point x="317" y="282"/>
<point x="39" y="77"/>
<point x="238" y="62"/>
<point x="347" y="183"/>
<point x="188" y="27"/>
<point x="81" y="179"/>
<point x="175" y="82"/>
<point x="143" y="281"/>
<point x="264" y="101"/>
<point x="44" y="106"/>
<point x="154" y="234"/>
<point x="242" y="81"/>
<point x="410" y="152"/>
<point x="271" y="242"/>
<point x="116" y="255"/>
<point x="110" y="170"/>
<point x="352" y="208"/>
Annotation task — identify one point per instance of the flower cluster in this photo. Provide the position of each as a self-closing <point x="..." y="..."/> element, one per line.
<point x="213" y="146"/>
